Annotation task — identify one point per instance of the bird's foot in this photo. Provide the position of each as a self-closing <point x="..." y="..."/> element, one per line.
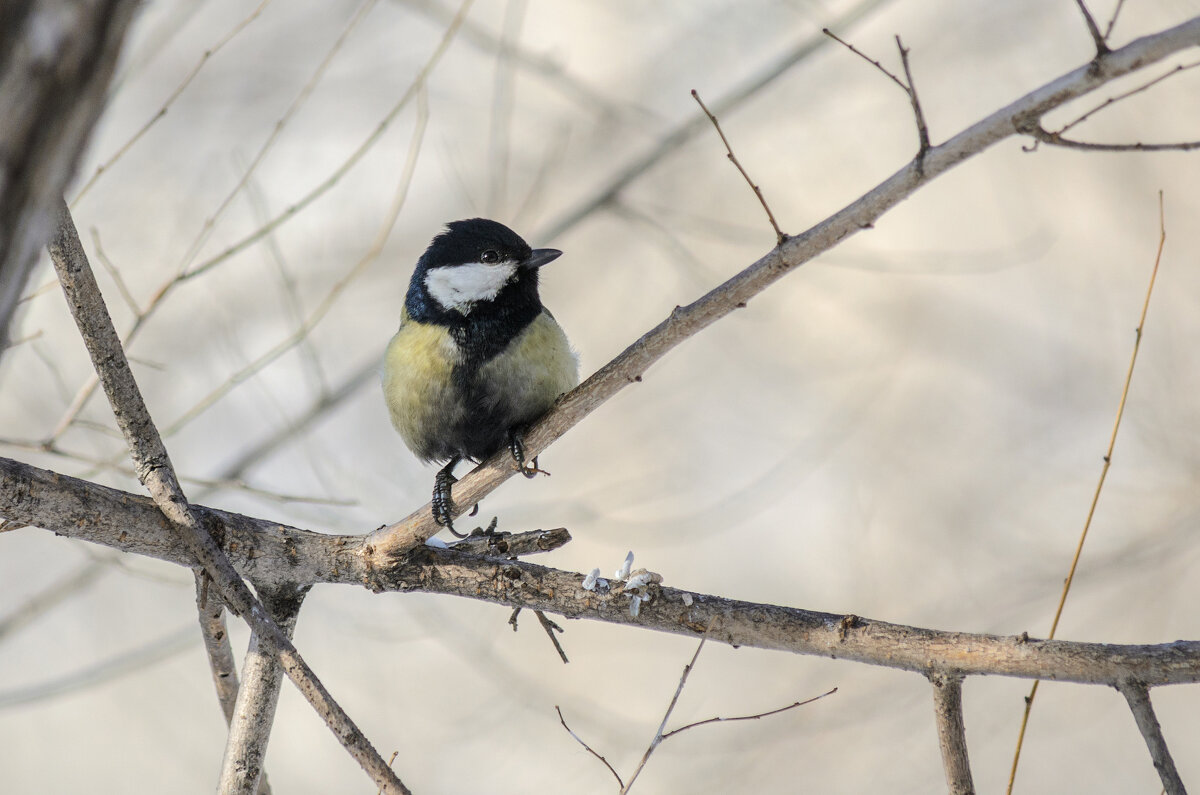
<point x="442" y="505"/>
<point x="517" y="448"/>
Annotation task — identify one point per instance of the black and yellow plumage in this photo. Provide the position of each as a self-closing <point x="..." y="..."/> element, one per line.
<point x="477" y="357"/>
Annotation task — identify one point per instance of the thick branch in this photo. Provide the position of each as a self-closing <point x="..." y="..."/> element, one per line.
<point x="952" y="735"/>
<point x="156" y="473"/>
<point x="1020" y="117"/>
<point x="56" y="60"/>
<point x="254" y="715"/>
<point x="267" y="552"/>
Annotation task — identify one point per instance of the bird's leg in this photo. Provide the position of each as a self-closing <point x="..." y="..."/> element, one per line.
<point x="442" y="504"/>
<point x="517" y="448"/>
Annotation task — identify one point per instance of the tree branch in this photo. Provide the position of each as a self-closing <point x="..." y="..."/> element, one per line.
<point x="952" y="738"/>
<point x="1143" y="712"/>
<point x="156" y="473"/>
<point x="1020" y="117"/>
<point x="254" y="715"/>
<point x="267" y="552"/>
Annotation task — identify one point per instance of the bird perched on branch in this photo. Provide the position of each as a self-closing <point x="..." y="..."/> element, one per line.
<point x="477" y="357"/>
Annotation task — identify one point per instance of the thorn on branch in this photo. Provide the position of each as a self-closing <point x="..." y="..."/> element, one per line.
<point x="780" y="235"/>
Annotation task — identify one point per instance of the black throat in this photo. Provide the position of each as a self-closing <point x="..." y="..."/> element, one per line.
<point x="489" y="327"/>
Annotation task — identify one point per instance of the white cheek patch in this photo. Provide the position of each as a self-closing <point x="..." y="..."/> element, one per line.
<point x="462" y="286"/>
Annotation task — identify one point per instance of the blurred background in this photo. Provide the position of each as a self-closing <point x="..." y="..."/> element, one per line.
<point x="909" y="428"/>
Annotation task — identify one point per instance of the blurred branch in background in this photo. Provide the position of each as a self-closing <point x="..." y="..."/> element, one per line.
<point x="57" y="58"/>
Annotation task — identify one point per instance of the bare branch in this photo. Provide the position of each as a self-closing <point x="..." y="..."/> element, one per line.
<point x="1108" y="454"/>
<point x="551" y="628"/>
<point x="216" y="644"/>
<point x="684" y="322"/>
<point x="588" y="748"/>
<point x="658" y="735"/>
<point x="1112" y="21"/>
<point x="254" y="715"/>
<point x="1125" y="95"/>
<point x="918" y="114"/>
<point x="779" y="233"/>
<point x="692" y="126"/>
<point x="1143" y="712"/>
<point x="1042" y="135"/>
<point x="271" y="553"/>
<point x="756" y="716"/>
<point x="156" y="473"/>
<point x="1093" y="31"/>
<point x="867" y="58"/>
<point x="909" y="88"/>
<point x="947" y="710"/>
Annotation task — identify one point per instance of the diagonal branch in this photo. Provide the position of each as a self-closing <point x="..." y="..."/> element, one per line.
<point x="1019" y="117"/>
<point x="1143" y="712"/>
<point x="952" y="737"/>
<point x="156" y="473"/>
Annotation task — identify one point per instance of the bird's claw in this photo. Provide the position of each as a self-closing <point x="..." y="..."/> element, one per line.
<point x="517" y="448"/>
<point x="442" y="505"/>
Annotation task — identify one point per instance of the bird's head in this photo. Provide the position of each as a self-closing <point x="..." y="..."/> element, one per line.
<point x="474" y="263"/>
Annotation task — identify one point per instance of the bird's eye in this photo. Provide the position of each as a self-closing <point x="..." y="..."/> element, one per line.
<point x="489" y="257"/>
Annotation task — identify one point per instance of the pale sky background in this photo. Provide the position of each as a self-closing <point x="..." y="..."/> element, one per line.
<point x="909" y="428"/>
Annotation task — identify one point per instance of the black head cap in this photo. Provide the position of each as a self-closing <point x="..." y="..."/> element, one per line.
<point x="469" y="240"/>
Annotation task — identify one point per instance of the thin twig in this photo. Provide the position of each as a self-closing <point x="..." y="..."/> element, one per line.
<point x="1112" y="441"/>
<point x="157" y="474"/>
<point x="1138" y="697"/>
<point x="1093" y="31"/>
<point x="952" y="738"/>
<point x="1042" y="135"/>
<point x="162" y="111"/>
<point x="658" y="735"/>
<point x="588" y="748"/>
<point x="122" y="288"/>
<point x="1113" y="100"/>
<point x="1112" y="21"/>
<point x="755" y="716"/>
<point x="550" y="628"/>
<point x="866" y="58"/>
<point x="909" y="88"/>
<point x="918" y="114"/>
<point x="693" y="125"/>
<point x="780" y="237"/>
<point x="300" y="100"/>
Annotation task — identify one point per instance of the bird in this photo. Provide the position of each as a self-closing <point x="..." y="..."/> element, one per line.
<point x="477" y="357"/>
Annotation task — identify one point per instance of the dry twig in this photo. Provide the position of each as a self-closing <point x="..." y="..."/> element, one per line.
<point x="1112" y="442"/>
<point x="157" y="474"/>
<point x="780" y="236"/>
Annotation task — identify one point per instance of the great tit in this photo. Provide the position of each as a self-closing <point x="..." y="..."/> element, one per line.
<point x="477" y="357"/>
